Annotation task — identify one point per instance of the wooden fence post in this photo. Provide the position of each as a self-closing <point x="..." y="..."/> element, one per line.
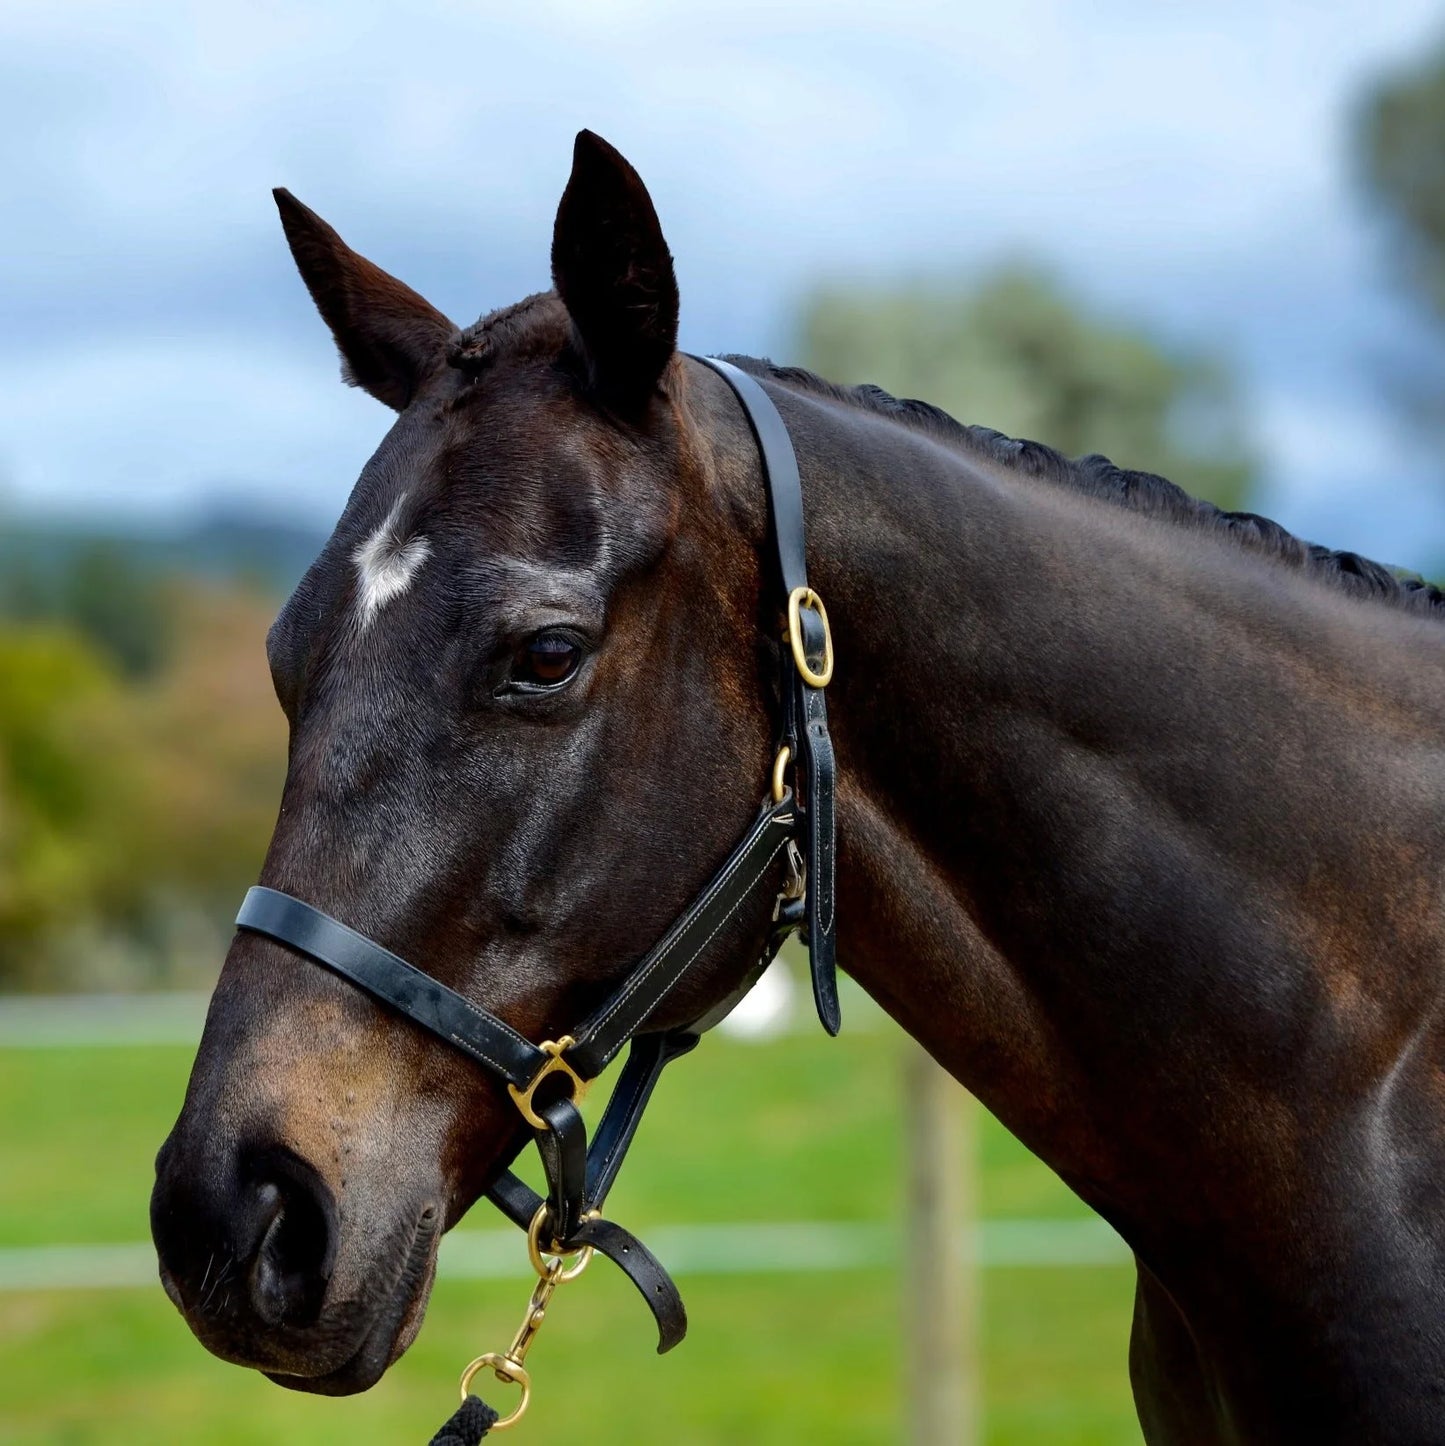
<point x="940" y="1309"/>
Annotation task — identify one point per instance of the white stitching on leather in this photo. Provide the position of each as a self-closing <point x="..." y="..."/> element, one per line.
<point x="485" y="1018"/>
<point x="468" y="1047"/>
<point x="637" y="981"/>
<point x="662" y="950"/>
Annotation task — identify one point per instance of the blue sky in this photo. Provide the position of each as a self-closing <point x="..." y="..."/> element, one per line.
<point x="1185" y="166"/>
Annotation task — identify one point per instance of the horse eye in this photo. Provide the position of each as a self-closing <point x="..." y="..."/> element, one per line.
<point x="545" y="661"/>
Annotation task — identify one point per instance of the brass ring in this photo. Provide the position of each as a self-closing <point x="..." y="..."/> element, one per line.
<point x="780" y="766"/>
<point x="539" y="1261"/>
<point x="799" y="598"/>
<point x="506" y="1371"/>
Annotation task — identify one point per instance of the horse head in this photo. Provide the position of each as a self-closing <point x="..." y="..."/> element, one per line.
<point x="529" y="711"/>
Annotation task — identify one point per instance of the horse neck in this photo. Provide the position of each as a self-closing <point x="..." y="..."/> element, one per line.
<point x="1110" y="791"/>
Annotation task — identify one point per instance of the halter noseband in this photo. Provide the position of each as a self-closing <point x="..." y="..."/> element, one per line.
<point x="579" y="1177"/>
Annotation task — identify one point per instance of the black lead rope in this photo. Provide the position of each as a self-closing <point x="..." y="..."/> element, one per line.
<point x="795" y="826"/>
<point x="467" y="1425"/>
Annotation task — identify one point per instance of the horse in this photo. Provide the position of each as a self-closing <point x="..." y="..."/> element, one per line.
<point x="1140" y="820"/>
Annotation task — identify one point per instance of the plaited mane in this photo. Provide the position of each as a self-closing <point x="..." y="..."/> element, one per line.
<point x="1097" y="476"/>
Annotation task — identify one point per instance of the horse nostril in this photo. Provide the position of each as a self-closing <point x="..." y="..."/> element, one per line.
<point x="292" y="1264"/>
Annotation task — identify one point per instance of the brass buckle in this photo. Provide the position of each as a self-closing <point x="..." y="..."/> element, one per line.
<point x="798" y="599"/>
<point x="555" y="1065"/>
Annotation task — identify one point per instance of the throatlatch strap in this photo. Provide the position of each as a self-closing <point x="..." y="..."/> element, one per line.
<point x="820" y="774"/>
<point x="805" y="711"/>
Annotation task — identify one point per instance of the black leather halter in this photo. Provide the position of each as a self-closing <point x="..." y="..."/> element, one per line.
<point x="797" y="829"/>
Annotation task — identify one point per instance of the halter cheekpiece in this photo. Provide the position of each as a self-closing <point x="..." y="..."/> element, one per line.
<point x="547" y="1081"/>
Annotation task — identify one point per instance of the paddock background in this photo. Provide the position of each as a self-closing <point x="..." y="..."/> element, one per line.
<point x="792" y="1131"/>
<point x="1165" y="232"/>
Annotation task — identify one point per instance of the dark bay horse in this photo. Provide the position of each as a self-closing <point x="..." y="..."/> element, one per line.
<point x="1141" y="831"/>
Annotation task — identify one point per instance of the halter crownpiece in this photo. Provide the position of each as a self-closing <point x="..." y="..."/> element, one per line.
<point x="799" y="830"/>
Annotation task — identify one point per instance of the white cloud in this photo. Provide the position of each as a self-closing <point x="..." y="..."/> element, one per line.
<point x="1184" y="162"/>
<point x="147" y="429"/>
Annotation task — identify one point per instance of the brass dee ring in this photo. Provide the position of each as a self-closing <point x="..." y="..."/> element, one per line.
<point x="555" y="1064"/>
<point x="539" y="1261"/>
<point x="798" y="599"/>
<point x="508" y="1372"/>
<point x="780" y="767"/>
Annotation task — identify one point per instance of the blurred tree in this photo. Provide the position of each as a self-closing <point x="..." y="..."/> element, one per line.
<point x="215" y="744"/>
<point x="1401" y="155"/>
<point x="53" y="784"/>
<point x="1015" y="352"/>
<point x="133" y="811"/>
<point x="1399" y="148"/>
<point x="116" y="604"/>
<point x="102" y="592"/>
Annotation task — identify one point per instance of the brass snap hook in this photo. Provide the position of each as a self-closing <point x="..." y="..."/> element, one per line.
<point x="509" y="1373"/>
<point x="507" y="1365"/>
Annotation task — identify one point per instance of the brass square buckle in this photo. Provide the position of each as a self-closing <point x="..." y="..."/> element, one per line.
<point x="555" y="1064"/>
<point x="798" y="599"/>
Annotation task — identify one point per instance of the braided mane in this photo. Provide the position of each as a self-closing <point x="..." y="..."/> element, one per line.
<point x="1097" y="476"/>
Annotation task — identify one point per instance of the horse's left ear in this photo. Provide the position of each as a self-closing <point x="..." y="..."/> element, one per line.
<point x="612" y="269"/>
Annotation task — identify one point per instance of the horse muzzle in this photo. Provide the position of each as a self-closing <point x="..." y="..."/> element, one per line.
<point x="251" y="1251"/>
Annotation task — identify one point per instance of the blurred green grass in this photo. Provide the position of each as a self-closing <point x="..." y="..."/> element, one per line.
<point x="797" y="1129"/>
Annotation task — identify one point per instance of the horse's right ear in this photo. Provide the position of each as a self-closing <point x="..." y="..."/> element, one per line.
<point x="388" y="336"/>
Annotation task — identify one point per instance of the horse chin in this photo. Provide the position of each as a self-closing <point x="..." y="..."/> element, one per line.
<point x="394" y="1327"/>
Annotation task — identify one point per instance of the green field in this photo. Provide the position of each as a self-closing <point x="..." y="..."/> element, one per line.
<point x="800" y="1129"/>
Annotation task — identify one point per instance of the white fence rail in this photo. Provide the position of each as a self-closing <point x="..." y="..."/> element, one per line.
<point x="782" y="1248"/>
<point x="787" y="1247"/>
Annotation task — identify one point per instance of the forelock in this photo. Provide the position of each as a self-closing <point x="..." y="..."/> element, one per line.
<point x="537" y="327"/>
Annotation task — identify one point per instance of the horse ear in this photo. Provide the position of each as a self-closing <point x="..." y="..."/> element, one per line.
<point x="388" y="336"/>
<point x="612" y="269"/>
